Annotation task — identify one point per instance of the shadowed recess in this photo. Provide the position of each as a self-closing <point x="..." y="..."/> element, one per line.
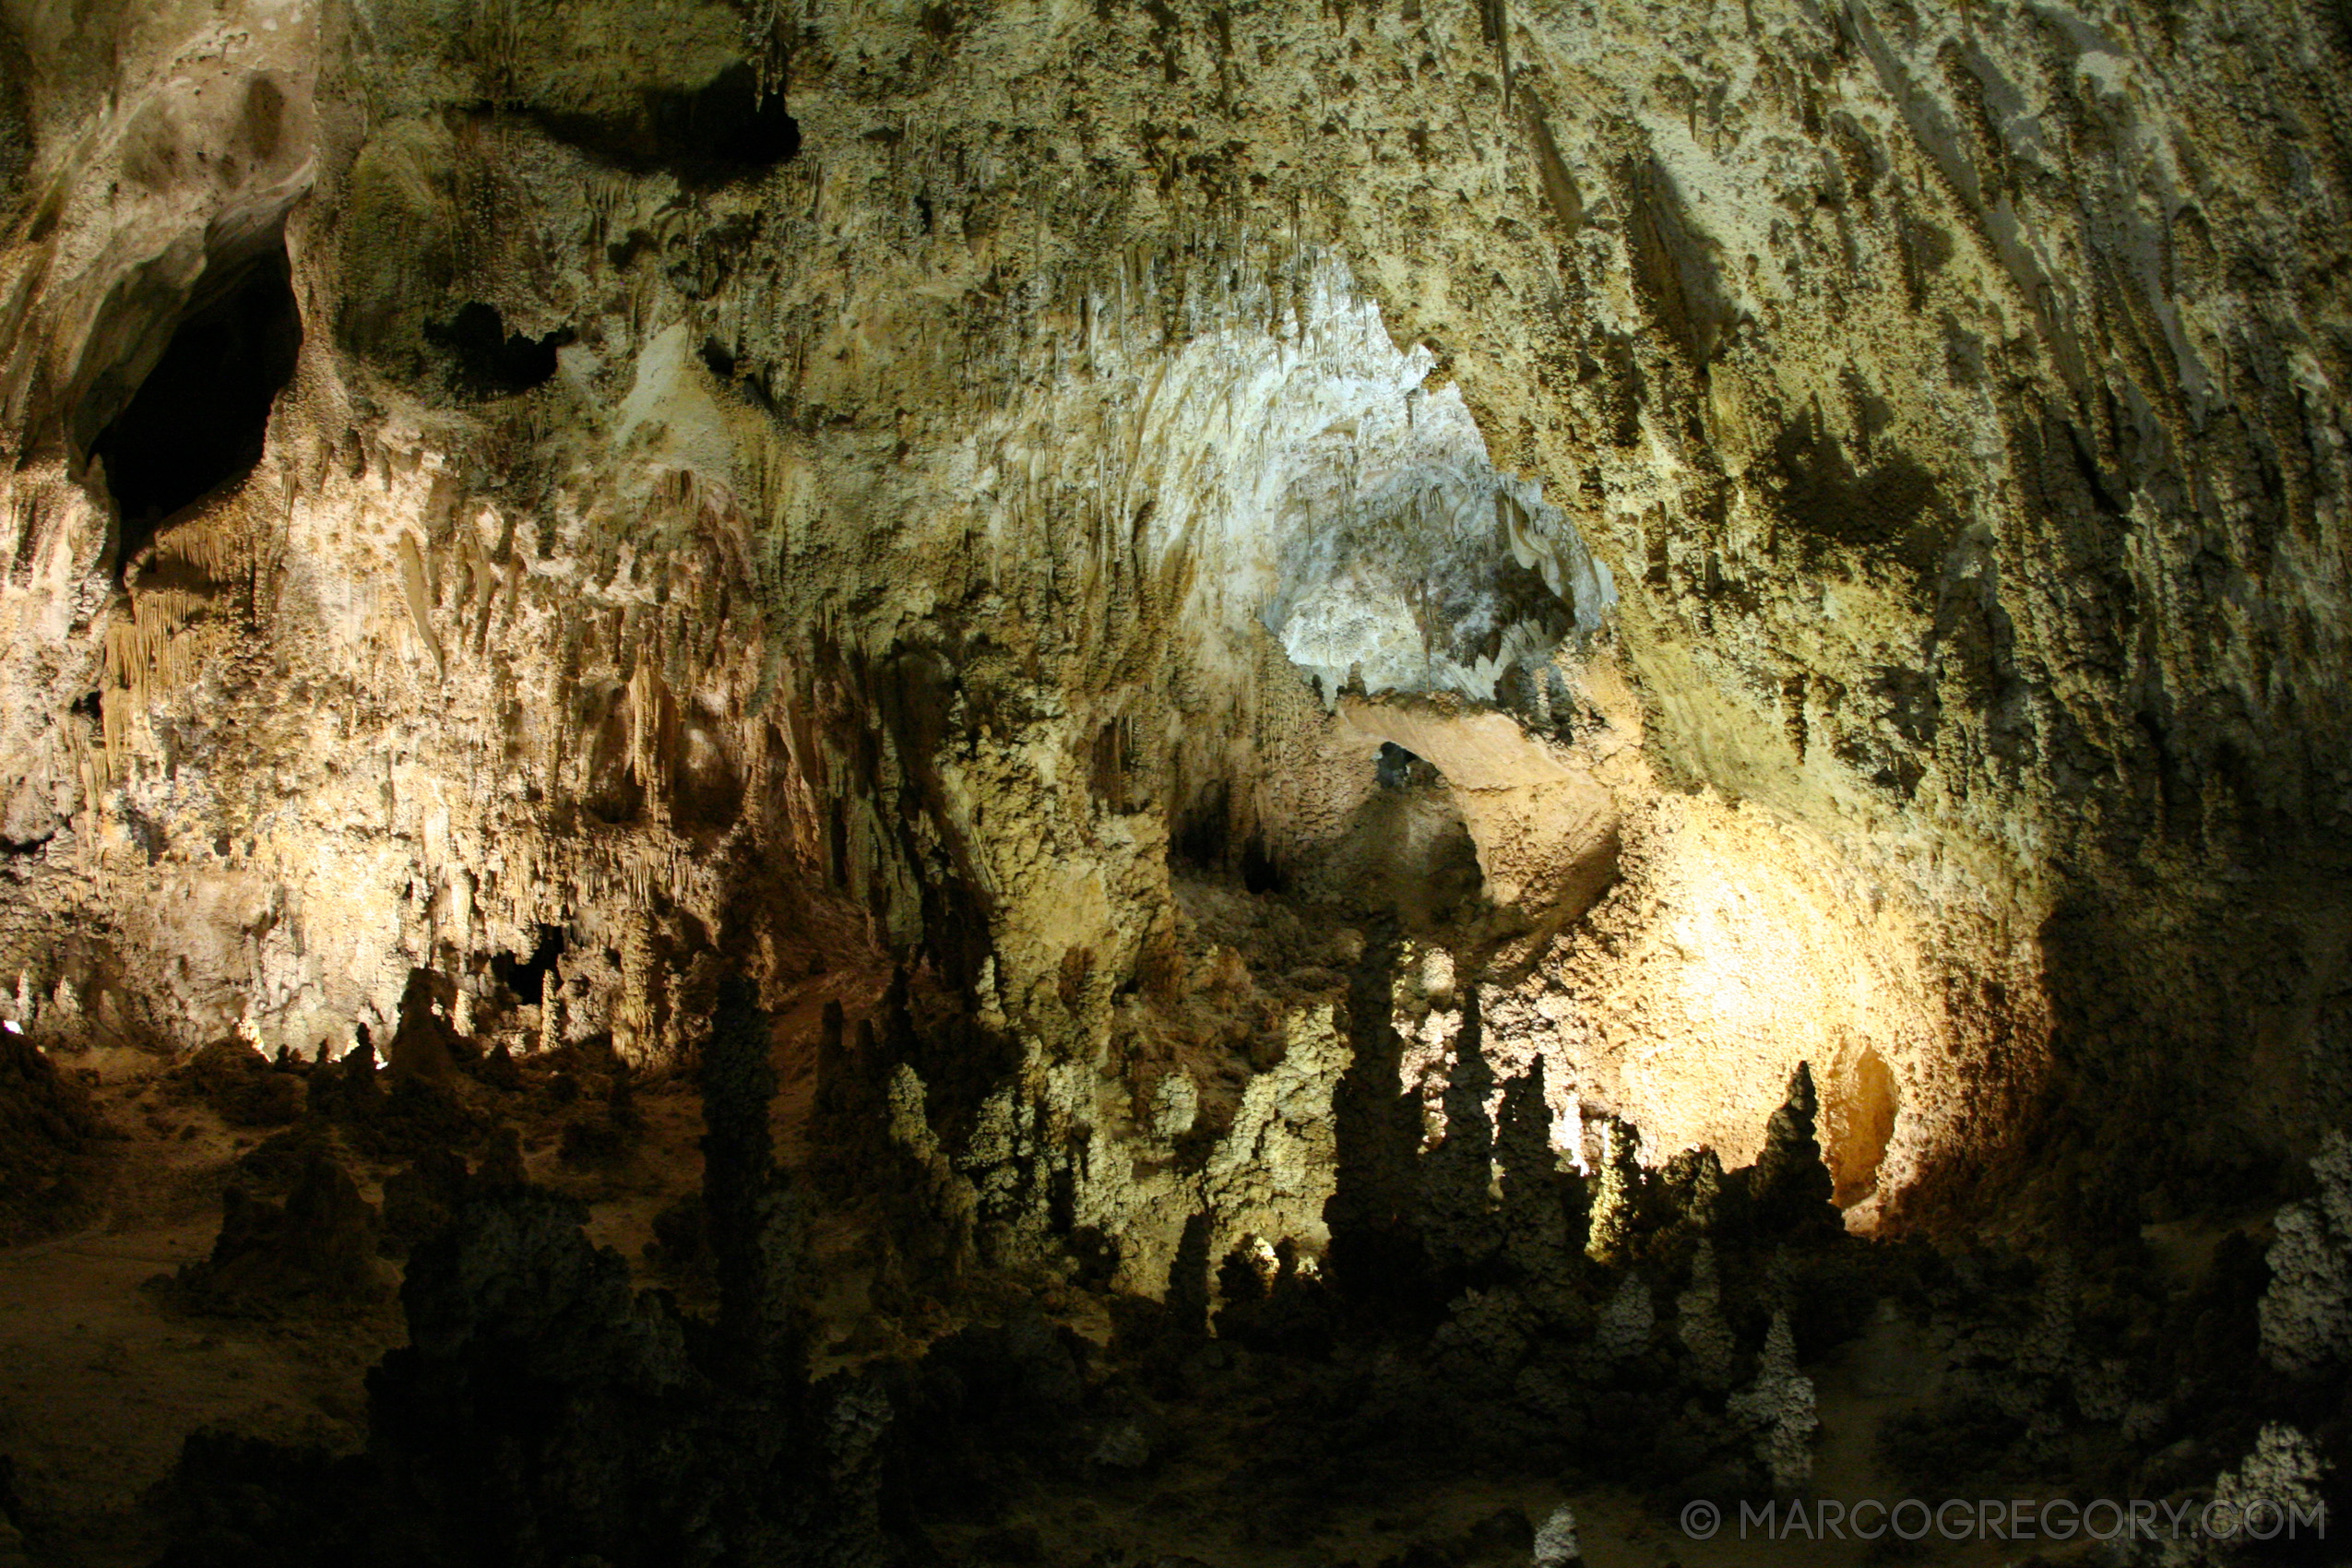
<point x="527" y="978"/>
<point x="200" y="420"/>
<point x="491" y="360"/>
<point x="726" y="130"/>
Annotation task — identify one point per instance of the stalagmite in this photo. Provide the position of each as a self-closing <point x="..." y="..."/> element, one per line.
<point x="1165" y="783"/>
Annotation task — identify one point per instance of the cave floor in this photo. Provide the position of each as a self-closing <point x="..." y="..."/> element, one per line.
<point x="1206" y="1506"/>
<point x="102" y="1376"/>
<point x="102" y="1383"/>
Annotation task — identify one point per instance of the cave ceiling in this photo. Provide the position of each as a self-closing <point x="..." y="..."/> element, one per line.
<point x="1744" y="535"/>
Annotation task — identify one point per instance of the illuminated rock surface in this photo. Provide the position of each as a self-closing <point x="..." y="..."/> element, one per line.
<point x="1262" y="639"/>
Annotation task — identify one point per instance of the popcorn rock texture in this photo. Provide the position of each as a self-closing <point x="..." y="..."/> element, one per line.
<point x="1470" y="698"/>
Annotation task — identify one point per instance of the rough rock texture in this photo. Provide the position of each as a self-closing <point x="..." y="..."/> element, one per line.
<point x="1778" y="1408"/>
<point x="1755" y="535"/>
<point x="2307" y="1312"/>
<point x="543" y="1412"/>
<point x="46" y="1125"/>
<point x="321" y="1242"/>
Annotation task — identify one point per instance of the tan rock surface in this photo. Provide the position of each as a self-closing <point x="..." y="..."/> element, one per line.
<point x="1894" y="455"/>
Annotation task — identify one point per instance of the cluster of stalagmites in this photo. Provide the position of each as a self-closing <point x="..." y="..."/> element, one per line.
<point x="1481" y="1310"/>
<point x="544" y="1411"/>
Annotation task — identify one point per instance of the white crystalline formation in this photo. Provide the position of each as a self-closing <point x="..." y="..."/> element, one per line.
<point x="1778" y="1408"/>
<point x="1556" y="1541"/>
<point x="2307" y="1312"/>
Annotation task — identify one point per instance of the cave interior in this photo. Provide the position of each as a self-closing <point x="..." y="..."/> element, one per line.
<point x="1341" y="783"/>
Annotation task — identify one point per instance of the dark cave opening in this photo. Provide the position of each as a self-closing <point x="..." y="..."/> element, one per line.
<point x="201" y="419"/>
<point x="1397" y="768"/>
<point x="527" y="978"/>
<point x="491" y="360"/>
<point x="745" y="379"/>
<point x="1197" y="838"/>
<point x="728" y="129"/>
<point x="1261" y="873"/>
<point x="1201" y="840"/>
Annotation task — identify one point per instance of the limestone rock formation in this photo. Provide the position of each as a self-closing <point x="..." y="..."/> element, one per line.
<point x="1699" y="1319"/>
<point x="870" y="442"/>
<point x="1779" y="1409"/>
<point x="1556" y="1541"/>
<point x="2273" y="1491"/>
<point x="1415" y="712"/>
<point x="1618" y="1193"/>
<point x="320" y="1241"/>
<point x="2307" y="1312"/>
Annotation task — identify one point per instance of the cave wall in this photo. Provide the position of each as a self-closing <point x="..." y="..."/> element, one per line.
<point x="825" y="489"/>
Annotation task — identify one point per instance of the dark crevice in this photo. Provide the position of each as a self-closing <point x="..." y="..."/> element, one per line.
<point x="1397" y="768"/>
<point x="736" y="376"/>
<point x="1198" y="839"/>
<point x="527" y="978"/>
<point x="1202" y="840"/>
<point x="724" y="131"/>
<point x="2094" y="482"/>
<point x="492" y="362"/>
<point x="201" y="419"/>
<point x="1261" y="873"/>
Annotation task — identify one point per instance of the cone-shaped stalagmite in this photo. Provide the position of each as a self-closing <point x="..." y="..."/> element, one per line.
<point x="1534" y="1222"/>
<point x="1458" y="1223"/>
<point x="1779" y="1409"/>
<point x="1616" y="1194"/>
<point x="1790" y="1186"/>
<point x="1699" y="1321"/>
<point x="753" y="1219"/>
